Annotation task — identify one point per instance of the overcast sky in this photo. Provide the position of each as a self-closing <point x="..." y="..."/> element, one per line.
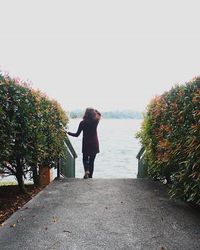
<point x="105" y="54"/>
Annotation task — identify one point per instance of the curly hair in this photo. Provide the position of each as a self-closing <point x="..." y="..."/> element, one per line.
<point x="91" y="114"/>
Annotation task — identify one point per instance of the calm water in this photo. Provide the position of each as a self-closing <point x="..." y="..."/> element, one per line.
<point x="118" y="148"/>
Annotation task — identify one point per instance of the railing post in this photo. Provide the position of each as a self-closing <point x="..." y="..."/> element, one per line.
<point x="58" y="168"/>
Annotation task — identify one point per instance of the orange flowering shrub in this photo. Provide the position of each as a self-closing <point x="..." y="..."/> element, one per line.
<point x="170" y="134"/>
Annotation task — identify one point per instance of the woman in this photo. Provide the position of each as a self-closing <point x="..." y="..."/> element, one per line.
<point x="90" y="143"/>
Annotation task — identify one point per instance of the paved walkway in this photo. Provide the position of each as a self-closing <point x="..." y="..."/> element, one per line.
<point x="102" y="214"/>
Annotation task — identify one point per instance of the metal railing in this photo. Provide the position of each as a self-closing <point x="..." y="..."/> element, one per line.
<point x="142" y="167"/>
<point x="66" y="164"/>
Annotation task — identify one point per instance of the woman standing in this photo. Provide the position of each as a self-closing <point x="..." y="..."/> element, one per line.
<point x="90" y="143"/>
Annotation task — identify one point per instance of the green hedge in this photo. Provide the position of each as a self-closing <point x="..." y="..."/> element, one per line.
<point x="31" y="133"/>
<point x="170" y="134"/>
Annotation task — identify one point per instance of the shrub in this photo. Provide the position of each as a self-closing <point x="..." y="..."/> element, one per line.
<point x="170" y="134"/>
<point x="31" y="133"/>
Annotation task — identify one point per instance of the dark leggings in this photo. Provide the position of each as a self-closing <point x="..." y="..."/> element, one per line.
<point x="88" y="163"/>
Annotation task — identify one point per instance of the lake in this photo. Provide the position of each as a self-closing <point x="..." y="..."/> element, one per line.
<point x="118" y="148"/>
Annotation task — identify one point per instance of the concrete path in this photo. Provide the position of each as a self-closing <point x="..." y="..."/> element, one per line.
<point x="102" y="214"/>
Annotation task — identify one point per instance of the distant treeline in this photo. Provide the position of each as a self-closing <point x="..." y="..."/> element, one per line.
<point x="123" y="114"/>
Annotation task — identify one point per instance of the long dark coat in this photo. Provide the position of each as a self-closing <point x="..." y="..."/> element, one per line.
<point x="90" y="142"/>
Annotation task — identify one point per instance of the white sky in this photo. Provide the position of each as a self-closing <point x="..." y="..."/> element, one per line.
<point x="105" y="54"/>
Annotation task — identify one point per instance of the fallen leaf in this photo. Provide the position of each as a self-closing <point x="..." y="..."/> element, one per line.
<point x="55" y="219"/>
<point x="66" y="231"/>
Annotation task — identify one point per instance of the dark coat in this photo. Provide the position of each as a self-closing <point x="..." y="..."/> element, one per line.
<point x="90" y="142"/>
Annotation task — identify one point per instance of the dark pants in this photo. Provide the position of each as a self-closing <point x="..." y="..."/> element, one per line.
<point x="88" y="163"/>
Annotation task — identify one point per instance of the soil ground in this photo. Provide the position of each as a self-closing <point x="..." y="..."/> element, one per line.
<point x="11" y="199"/>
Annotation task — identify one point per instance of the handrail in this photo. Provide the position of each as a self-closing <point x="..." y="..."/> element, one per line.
<point x="140" y="153"/>
<point x="67" y="141"/>
<point x="66" y="164"/>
